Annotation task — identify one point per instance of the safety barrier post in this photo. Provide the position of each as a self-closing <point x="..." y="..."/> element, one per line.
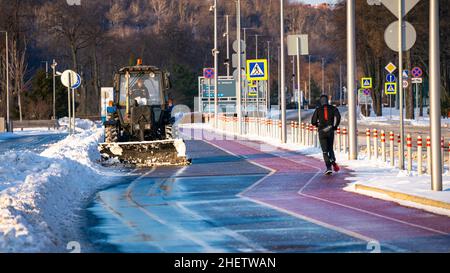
<point x="419" y="155"/>
<point x="428" y="155"/>
<point x="399" y="151"/>
<point x="375" y="143"/>
<point x="409" y="151"/>
<point x="338" y="142"/>
<point x="391" y="148"/>
<point x="303" y="134"/>
<point x="316" y="137"/>
<point x="344" y="131"/>
<point x="442" y="153"/>
<point x="368" y="152"/>
<point x="383" y="146"/>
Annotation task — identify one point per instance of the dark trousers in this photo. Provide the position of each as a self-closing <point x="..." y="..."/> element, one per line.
<point x="326" y="143"/>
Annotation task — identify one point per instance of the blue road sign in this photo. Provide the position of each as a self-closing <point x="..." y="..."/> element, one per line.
<point x="405" y="74"/>
<point x="78" y="83"/>
<point x="391" y="78"/>
<point x="257" y="70"/>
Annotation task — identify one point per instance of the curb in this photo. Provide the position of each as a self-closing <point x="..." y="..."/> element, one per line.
<point x="405" y="197"/>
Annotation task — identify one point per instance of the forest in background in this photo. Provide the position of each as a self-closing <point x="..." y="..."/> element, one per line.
<point x="99" y="37"/>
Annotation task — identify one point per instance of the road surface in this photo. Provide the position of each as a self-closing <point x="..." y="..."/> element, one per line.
<point x="29" y="142"/>
<point x="237" y="198"/>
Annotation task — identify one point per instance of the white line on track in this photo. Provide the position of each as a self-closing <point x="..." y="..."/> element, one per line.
<point x="301" y="192"/>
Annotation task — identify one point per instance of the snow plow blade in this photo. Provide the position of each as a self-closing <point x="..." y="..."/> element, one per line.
<point x="146" y="154"/>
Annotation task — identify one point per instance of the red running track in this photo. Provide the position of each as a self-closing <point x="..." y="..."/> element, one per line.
<point x="296" y="186"/>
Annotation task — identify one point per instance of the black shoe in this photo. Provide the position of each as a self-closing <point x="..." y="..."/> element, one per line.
<point x="328" y="172"/>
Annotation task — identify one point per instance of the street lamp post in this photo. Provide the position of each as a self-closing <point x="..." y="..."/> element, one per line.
<point x="351" y="82"/>
<point x="268" y="76"/>
<point x="227" y="34"/>
<point x="239" y="78"/>
<point x="53" y="65"/>
<point x="282" y="61"/>
<point x="435" y="96"/>
<point x="309" y="80"/>
<point x="401" y="148"/>
<point x="323" y="75"/>
<point x="299" y="83"/>
<point x="8" y="121"/>
<point x="216" y="67"/>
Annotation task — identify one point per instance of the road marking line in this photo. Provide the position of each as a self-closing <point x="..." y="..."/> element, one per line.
<point x="294" y="214"/>
<point x="233" y="234"/>
<point x="181" y="231"/>
<point x="324" y="200"/>
<point x="300" y="192"/>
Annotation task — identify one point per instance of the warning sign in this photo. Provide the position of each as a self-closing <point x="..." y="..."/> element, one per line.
<point x="390" y="88"/>
<point x="366" y="83"/>
<point x="257" y="70"/>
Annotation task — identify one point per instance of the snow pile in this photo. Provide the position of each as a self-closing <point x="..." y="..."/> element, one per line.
<point x="42" y="194"/>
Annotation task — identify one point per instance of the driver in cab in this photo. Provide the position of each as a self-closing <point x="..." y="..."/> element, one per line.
<point x="139" y="93"/>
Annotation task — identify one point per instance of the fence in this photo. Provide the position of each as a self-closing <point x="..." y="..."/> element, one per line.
<point x="376" y="145"/>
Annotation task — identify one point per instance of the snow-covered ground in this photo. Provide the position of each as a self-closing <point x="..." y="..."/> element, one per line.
<point x="41" y="195"/>
<point x="392" y="116"/>
<point x="370" y="172"/>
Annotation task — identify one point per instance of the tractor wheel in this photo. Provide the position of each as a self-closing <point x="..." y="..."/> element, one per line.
<point x="111" y="134"/>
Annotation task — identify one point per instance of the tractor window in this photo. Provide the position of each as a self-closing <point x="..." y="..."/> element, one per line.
<point x="144" y="89"/>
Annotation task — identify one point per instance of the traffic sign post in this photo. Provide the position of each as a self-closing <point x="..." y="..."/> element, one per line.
<point x="72" y="81"/>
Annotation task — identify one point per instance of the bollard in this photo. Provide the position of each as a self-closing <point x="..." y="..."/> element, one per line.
<point x="344" y="140"/>
<point x="399" y="151"/>
<point x="316" y="136"/>
<point x="375" y="143"/>
<point x="409" y="151"/>
<point x="391" y="148"/>
<point x="428" y="155"/>
<point x="368" y="153"/>
<point x="292" y="132"/>
<point x="442" y="153"/>
<point x="338" y="142"/>
<point x="279" y="130"/>
<point x="419" y="155"/>
<point x="302" y="133"/>
<point x="383" y="146"/>
<point x="307" y="134"/>
<point x="448" y="156"/>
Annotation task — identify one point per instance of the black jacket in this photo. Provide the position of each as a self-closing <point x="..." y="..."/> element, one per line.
<point x="323" y="120"/>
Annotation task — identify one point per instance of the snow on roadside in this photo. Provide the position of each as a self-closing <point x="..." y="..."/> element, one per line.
<point x="41" y="195"/>
<point x="370" y="172"/>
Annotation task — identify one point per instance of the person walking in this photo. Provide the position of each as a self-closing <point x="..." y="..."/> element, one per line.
<point x="327" y="119"/>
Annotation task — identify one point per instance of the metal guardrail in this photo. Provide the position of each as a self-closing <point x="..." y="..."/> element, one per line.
<point x="50" y="124"/>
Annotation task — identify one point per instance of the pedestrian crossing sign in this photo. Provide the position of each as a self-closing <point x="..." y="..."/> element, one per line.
<point x="366" y="83"/>
<point x="257" y="70"/>
<point x="390" y="88"/>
